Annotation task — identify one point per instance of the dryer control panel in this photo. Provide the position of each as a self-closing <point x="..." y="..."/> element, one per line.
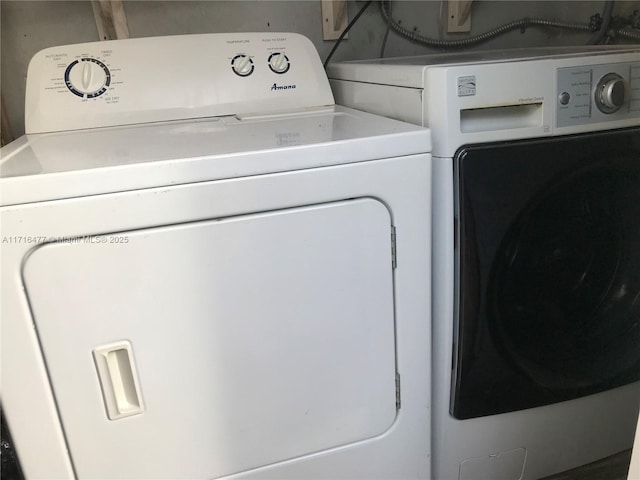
<point x="154" y="79"/>
<point x="598" y="93"/>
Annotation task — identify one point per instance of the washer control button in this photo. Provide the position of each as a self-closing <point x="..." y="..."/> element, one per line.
<point x="610" y="93"/>
<point x="565" y="98"/>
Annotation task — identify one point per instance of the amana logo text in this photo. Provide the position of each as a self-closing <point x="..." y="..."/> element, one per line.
<point x="275" y="86"/>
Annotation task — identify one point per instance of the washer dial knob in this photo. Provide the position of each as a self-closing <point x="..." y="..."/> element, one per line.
<point x="87" y="77"/>
<point x="242" y="65"/>
<point x="279" y="63"/>
<point x="610" y="93"/>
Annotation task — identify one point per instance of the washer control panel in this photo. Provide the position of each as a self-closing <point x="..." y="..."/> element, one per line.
<point x="156" y="79"/>
<point x="597" y="93"/>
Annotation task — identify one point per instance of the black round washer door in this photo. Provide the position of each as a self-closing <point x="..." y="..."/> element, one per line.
<point x="566" y="281"/>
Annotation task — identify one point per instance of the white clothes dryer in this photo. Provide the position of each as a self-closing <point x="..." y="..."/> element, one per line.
<point x="209" y="270"/>
<point x="536" y="223"/>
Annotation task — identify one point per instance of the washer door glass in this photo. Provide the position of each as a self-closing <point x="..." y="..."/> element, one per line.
<point x="549" y="271"/>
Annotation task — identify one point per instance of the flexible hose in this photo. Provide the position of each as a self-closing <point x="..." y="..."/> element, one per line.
<point x="483" y="37"/>
<point x="628" y="34"/>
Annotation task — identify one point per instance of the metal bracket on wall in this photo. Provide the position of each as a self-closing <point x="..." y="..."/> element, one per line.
<point x="459" y="15"/>
<point x="334" y="18"/>
<point x="111" y="20"/>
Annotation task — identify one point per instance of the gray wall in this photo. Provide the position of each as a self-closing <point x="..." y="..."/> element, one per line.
<point x="29" y="26"/>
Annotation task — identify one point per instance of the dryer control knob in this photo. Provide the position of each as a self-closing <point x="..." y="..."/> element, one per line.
<point x="610" y="93"/>
<point x="87" y="77"/>
<point x="242" y="65"/>
<point x="279" y="62"/>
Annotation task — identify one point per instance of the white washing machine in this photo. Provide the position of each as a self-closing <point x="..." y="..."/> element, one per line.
<point x="209" y="270"/>
<point x="536" y="223"/>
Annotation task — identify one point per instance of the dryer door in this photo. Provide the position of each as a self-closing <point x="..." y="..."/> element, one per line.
<point x="205" y="349"/>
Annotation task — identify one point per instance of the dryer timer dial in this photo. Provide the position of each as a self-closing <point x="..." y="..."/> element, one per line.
<point x="610" y="93"/>
<point x="87" y="77"/>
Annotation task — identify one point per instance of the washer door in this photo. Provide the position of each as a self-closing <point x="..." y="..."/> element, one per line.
<point x="221" y="345"/>
<point x="548" y="274"/>
<point x="565" y="289"/>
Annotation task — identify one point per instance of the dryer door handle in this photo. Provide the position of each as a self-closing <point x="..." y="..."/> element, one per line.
<point x="118" y="379"/>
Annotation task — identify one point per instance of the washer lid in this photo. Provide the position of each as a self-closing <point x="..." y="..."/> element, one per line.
<point x="45" y="167"/>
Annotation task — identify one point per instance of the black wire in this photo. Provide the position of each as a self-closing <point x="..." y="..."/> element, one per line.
<point x="386" y="33"/>
<point x="604" y="27"/>
<point x="346" y="30"/>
